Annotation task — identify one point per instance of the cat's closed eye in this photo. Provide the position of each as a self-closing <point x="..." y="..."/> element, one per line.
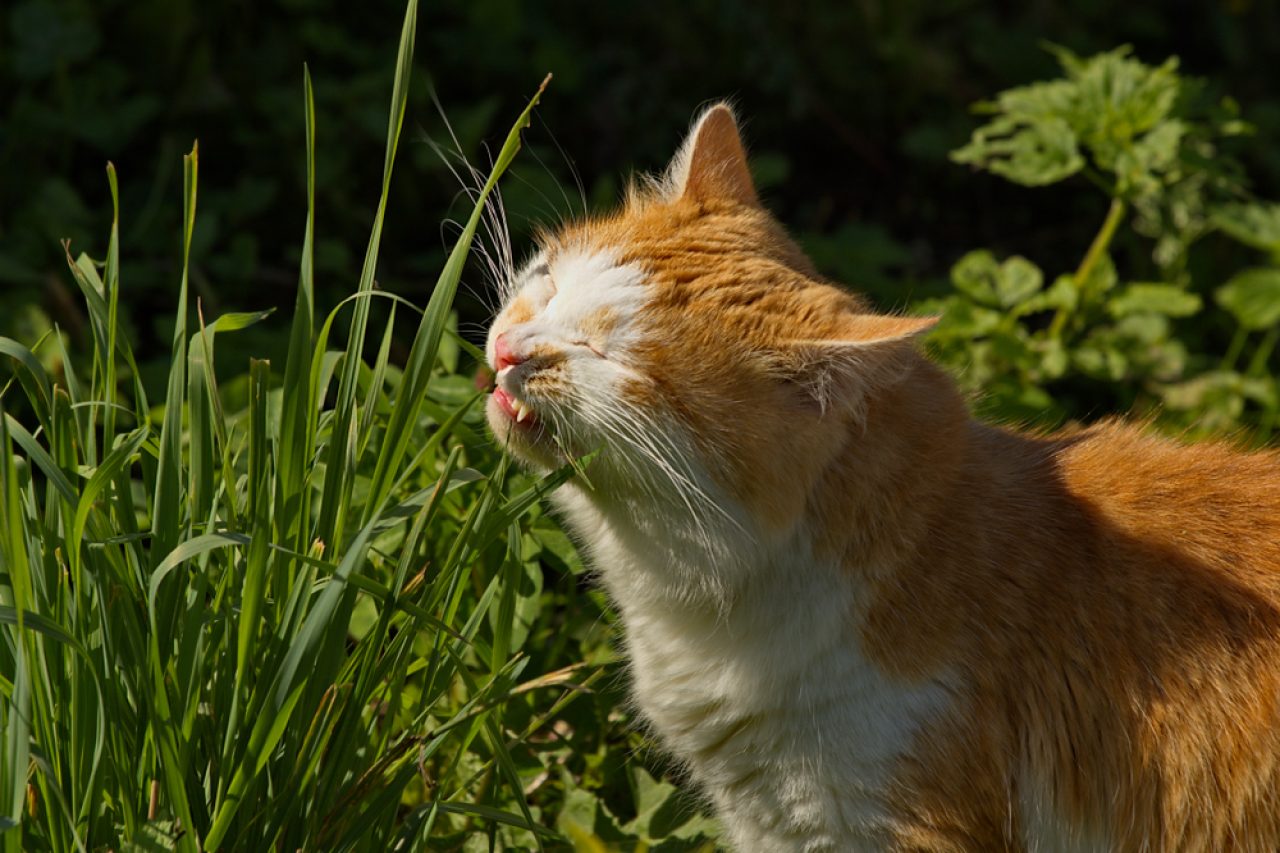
<point x="586" y="343"/>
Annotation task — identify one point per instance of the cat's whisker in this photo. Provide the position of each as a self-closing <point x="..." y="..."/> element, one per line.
<point x="485" y="296"/>
<point x="629" y="438"/>
<point x="650" y="441"/>
<point x="568" y="204"/>
<point x="549" y="210"/>
<point x="648" y="431"/>
<point x="501" y="270"/>
<point x="573" y="171"/>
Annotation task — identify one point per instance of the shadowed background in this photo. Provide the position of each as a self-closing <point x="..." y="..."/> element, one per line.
<point x="850" y="110"/>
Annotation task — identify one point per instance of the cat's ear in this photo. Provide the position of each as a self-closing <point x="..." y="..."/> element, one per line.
<point x="863" y="353"/>
<point x="712" y="164"/>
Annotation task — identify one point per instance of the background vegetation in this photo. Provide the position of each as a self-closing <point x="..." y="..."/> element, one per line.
<point x="851" y="111"/>
<point x="1114" y="251"/>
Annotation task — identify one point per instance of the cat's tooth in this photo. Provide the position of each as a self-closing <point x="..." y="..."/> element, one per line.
<point x="522" y="412"/>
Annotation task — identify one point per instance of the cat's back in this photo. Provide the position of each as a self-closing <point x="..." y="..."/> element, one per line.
<point x="1113" y="599"/>
<point x="1157" y="719"/>
<point x="1209" y="503"/>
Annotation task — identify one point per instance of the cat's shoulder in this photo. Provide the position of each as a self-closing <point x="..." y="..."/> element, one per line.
<point x="1212" y="497"/>
<point x="1132" y="460"/>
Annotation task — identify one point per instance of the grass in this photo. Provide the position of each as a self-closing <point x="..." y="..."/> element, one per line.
<point x="290" y="623"/>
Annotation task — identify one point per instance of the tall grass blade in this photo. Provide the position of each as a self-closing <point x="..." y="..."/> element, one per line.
<point x="166" y="509"/>
<point x="298" y="406"/>
<point x="422" y="355"/>
<point x="337" y="485"/>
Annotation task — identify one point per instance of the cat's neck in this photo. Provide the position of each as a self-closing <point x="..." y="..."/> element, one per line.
<point x="898" y="470"/>
<point x="895" y="469"/>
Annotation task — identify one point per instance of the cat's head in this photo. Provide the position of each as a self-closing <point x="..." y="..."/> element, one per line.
<point x="689" y="338"/>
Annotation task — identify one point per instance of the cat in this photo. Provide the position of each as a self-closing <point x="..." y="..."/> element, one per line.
<point x="860" y="618"/>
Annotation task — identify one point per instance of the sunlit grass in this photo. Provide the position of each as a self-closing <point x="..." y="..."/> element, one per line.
<point x="283" y="625"/>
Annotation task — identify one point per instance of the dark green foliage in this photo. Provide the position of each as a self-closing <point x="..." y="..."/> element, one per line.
<point x="1094" y="338"/>
<point x="851" y="110"/>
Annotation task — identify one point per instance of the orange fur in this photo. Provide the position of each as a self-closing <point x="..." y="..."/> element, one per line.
<point x="1104" y="603"/>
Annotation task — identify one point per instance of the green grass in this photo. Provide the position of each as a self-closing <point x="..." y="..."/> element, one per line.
<point x="284" y="623"/>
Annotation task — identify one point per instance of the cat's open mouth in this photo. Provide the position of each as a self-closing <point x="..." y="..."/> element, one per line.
<point x="515" y="408"/>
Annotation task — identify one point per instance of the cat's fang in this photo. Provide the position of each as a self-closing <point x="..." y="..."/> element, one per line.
<point x="511" y="405"/>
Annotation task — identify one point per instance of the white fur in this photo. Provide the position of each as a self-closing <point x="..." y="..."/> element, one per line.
<point x="766" y="694"/>
<point x="745" y="650"/>
<point x="584" y="408"/>
<point x="564" y="294"/>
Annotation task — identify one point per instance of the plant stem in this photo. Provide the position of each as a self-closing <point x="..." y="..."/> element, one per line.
<point x="1234" y="348"/>
<point x="1096" y="250"/>
<point x="1258" y="364"/>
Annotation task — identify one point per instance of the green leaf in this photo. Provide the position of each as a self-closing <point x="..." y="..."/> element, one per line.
<point x="37" y="454"/>
<point x="964" y="320"/>
<point x="1145" y="329"/>
<point x="1219" y="388"/>
<point x="1012" y="346"/>
<point x="1110" y="106"/>
<point x="974" y="275"/>
<point x="1140" y="166"/>
<point x="554" y="541"/>
<point x="156" y="836"/>
<point x="193" y="547"/>
<point x="1031" y="152"/>
<point x="206" y="424"/>
<point x="1053" y="359"/>
<point x="110" y="468"/>
<point x="663" y="812"/>
<point x="297" y="409"/>
<point x="586" y="818"/>
<point x="167" y="501"/>
<point x="1001" y="285"/>
<point x="1062" y="295"/>
<point x="1151" y="298"/>
<point x="1255" y="224"/>
<point x="491" y="814"/>
<point x="1017" y="280"/>
<point x="1253" y="297"/>
<point x="35" y="380"/>
<point x="1101" y="360"/>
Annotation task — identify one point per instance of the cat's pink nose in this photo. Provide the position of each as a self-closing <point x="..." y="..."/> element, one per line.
<point x="502" y="354"/>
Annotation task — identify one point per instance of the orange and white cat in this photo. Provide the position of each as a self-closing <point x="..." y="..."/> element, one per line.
<point x="863" y="620"/>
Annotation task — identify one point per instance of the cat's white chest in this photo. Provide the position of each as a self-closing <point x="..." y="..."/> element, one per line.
<point x="781" y="718"/>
